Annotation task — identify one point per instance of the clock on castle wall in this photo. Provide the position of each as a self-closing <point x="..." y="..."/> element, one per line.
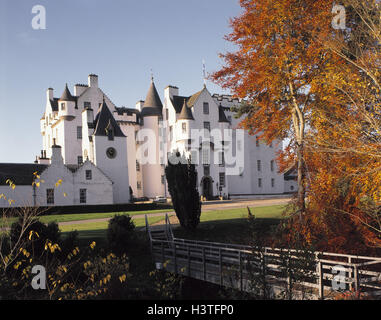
<point x="111" y="153"/>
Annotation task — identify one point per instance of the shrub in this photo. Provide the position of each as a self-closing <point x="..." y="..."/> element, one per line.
<point x="181" y="176"/>
<point x="121" y="234"/>
<point x="45" y="232"/>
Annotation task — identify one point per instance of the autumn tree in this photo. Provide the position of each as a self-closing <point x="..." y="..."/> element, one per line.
<point x="345" y="145"/>
<point x="274" y="69"/>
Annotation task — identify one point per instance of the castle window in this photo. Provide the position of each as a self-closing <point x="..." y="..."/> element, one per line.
<point x="137" y="165"/>
<point x="139" y="185"/>
<point x="82" y="195"/>
<point x="62" y="106"/>
<point x="205" y="157"/>
<point x="207" y="125"/>
<point x="80" y="160"/>
<point x="166" y="114"/>
<point x="89" y="175"/>
<point x="50" y="196"/>
<point x="259" y="165"/>
<point x="184" y="127"/>
<point x="206" y="170"/>
<point x="221" y="161"/>
<point x="260" y="183"/>
<point x="222" y="179"/>
<point x="272" y="165"/>
<point x="206" y="108"/>
<point x="110" y="134"/>
<point x="272" y="183"/>
<point x="162" y="179"/>
<point x="170" y="133"/>
<point x="79" y="133"/>
<point x="87" y="105"/>
<point x="239" y="145"/>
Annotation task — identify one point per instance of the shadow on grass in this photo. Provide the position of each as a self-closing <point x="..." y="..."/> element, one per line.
<point x="85" y="237"/>
<point x="236" y="231"/>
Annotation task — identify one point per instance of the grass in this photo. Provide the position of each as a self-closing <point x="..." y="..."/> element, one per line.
<point x="96" y="231"/>
<point x="220" y="225"/>
<point x="231" y="226"/>
<point x="87" y="216"/>
<point x="268" y="212"/>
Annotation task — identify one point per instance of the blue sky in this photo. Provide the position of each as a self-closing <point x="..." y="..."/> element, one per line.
<point x="120" y="40"/>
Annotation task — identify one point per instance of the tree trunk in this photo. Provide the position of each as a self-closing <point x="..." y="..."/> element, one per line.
<point x="301" y="178"/>
<point x="299" y="127"/>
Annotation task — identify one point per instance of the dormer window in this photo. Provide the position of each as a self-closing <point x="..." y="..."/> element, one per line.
<point x="110" y="134"/>
<point x="62" y="106"/>
<point x="110" y="131"/>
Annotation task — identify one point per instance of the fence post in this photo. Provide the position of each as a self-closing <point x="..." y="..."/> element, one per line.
<point x="321" y="279"/>
<point x="162" y="253"/>
<point x="174" y="256"/>
<point x="351" y="274"/>
<point x="220" y="260"/>
<point x="189" y="262"/>
<point x="240" y="271"/>
<point x="357" y="279"/>
<point x="204" y="262"/>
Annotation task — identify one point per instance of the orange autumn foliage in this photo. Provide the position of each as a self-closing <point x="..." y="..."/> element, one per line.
<point x="319" y="87"/>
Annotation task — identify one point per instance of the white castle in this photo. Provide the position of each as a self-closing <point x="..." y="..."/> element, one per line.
<point x="103" y="154"/>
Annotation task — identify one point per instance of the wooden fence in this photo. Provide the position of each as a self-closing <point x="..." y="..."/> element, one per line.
<point x="287" y="272"/>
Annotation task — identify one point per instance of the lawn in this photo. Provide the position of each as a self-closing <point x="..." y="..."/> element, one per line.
<point x="88" y="216"/>
<point x="97" y="230"/>
<point x="231" y="226"/>
<point x="220" y="225"/>
<point x="268" y="212"/>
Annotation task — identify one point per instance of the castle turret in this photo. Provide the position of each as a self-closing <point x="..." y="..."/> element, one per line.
<point x="110" y="152"/>
<point x="66" y="105"/>
<point x="152" y="170"/>
<point x="184" y="125"/>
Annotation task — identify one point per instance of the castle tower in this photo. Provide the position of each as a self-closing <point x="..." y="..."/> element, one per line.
<point x="110" y="151"/>
<point x="184" y="125"/>
<point x="66" y="105"/>
<point x="151" y="113"/>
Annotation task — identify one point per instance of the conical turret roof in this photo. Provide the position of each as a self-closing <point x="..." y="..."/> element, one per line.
<point x="104" y="121"/>
<point x="152" y="104"/>
<point x="66" y="95"/>
<point x="186" y="112"/>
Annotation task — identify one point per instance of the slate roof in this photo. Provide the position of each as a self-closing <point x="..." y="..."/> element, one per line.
<point x="186" y="112"/>
<point x="291" y="173"/>
<point x="54" y="104"/>
<point x="221" y="115"/>
<point x="21" y="174"/>
<point x="66" y="95"/>
<point x="152" y="104"/>
<point x="178" y="101"/>
<point x="105" y="119"/>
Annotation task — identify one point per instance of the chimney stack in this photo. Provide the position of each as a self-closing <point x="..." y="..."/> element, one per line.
<point x="49" y="94"/>
<point x="93" y="80"/>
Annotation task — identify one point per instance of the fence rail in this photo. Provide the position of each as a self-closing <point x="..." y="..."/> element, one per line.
<point x="239" y="266"/>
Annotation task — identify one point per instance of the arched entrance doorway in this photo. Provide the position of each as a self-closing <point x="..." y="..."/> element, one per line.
<point x="207" y="187"/>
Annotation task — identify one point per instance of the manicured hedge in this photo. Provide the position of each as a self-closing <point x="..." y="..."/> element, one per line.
<point x="104" y="208"/>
